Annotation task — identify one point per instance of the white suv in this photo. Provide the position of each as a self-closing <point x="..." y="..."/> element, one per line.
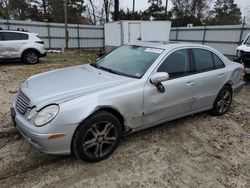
<point x="243" y="55"/>
<point x="21" y="45"/>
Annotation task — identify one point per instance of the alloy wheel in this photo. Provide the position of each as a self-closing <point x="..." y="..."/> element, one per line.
<point x="31" y="58"/>
<point x="99" y="139"/>
<point x="224" y="101"/>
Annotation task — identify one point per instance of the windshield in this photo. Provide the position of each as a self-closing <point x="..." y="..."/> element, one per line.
<point x="129" y="60"/>
<point x="247" y="41"/>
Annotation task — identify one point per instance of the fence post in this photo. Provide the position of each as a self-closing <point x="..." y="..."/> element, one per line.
<point x="48" y="27"/>
<point x="8" y="24"/>
<point x="177" y="32"/>
<point x="204" y="34"/>
<point x="242" y="30"/>
<point x="78" y="36"/>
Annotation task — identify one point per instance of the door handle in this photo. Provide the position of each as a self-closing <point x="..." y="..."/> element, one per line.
<point x="221" y="76"/>
<point x="190" y="83"/>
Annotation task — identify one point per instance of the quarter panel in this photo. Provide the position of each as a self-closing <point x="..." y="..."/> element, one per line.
<point x="208" y="85"/>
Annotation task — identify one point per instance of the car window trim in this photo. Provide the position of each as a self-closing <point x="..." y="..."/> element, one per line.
<point x="191" y="65"/>
<point x="213" y="54"/>
<point x="23" y="38"/>
<point x="209" y="69"/>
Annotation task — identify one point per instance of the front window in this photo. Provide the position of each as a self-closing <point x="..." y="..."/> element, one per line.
<point x="176" y="64"/>
<point x="129" y="60"/>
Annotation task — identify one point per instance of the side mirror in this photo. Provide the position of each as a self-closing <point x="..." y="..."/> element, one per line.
<point x="158" y="78"/>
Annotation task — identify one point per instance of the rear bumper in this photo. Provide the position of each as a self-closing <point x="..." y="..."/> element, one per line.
<point x="237" y="88"/>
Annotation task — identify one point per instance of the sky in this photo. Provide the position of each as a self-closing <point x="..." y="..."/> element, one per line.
<point x="143" y="4"/>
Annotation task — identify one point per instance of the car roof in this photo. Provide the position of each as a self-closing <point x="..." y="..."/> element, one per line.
<point x="15" y="31"/>
<point x="167" y="45"/>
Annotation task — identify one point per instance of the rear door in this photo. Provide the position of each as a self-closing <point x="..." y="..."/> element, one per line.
<point x="11" y="44"/>
<point x="134" y="31"/>
<point x="209" y="78"/>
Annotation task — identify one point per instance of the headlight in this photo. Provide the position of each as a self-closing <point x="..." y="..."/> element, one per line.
<point x="31" y="114"/>
<point x="46" y="115"/>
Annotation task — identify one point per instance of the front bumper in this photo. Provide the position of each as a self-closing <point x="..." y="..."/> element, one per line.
<point x="39" y="136"/>
<point x="237" y="88"/>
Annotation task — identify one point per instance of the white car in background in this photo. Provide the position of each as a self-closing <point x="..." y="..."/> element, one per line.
<point x="21" y="45"/>
<point x="243" y="55"/>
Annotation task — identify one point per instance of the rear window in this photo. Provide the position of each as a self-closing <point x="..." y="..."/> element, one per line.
<point x="13" y="36"/>
<point x="203" y="59"/>
<point x="217" y="62"/>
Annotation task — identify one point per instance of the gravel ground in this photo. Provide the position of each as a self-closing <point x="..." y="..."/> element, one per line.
<point x="196" y="151"/>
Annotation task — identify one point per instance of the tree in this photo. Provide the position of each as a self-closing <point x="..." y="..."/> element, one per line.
<point x="42" y="6"/>
<point x="116" y="10"/>
<point x="130" y="15"/>
<point x="52" y="10"/>
<point x="156" y="10"/>
<point x="93" y="11"/>
<point x="107" y="7"/>
<point x="226" y="12"/>
<point x="186" y="12"/>
<point x="18" y="9"/>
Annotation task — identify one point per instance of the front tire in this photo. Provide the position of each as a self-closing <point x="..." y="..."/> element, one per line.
<point x="223" y="101"/>
<point x="30" y="57"/>
<point x="97" y="137"/>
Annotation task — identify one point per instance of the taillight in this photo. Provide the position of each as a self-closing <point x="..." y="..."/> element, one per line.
<point x="40" y="42"/>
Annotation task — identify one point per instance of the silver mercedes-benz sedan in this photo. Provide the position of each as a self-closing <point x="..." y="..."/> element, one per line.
<point x="86" y="109"/>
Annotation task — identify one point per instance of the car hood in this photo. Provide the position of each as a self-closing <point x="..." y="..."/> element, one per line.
<point x="68" y="83"/>
<point x="244" y="47"/>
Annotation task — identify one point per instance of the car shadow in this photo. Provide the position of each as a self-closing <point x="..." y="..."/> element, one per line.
<point x="11" y="62"/>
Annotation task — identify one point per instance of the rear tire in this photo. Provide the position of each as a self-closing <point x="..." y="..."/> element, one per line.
<point x="97" y="137"/>
<point x="30" y="57"/>
<point x="223" y="101"/>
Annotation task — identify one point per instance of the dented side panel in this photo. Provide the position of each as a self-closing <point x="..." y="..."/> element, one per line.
<point x="176" y="100"/>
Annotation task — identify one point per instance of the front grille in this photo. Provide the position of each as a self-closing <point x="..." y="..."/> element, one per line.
<point x="22" y="103"/>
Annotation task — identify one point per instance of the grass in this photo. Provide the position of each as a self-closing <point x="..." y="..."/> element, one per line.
<point x="52" y="61"/>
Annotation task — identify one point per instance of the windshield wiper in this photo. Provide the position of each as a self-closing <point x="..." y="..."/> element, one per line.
<point x="95" y="65"/>
<point x="109" y="70"/>
<point x="112" y="71"/>
<point x="103" y="68"/>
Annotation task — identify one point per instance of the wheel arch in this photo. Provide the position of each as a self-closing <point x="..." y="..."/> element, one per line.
<point x="30" y="49"/>
<point x="109" y="109"/>
<point x="230" y="84"/>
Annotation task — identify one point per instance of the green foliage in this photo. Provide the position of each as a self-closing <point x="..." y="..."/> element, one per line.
<point x="186" y="12"/>
<point x="155" y="11"/>
<point x="40" y="10"/>
<point x="129" y="15"/>
<point x="225" y="12"/>
<point x="183" y="12"/>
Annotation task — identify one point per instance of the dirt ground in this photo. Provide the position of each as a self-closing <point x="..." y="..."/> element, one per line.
<point x="196" y="151"/>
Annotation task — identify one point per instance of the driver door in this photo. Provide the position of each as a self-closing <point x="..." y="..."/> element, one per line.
<point x="179" y="90"/>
